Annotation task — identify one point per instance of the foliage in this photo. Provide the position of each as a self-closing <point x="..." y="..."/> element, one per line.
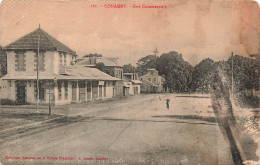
<point x="244" y="72"/>
<point x="128" y="68"/>
<point x="3" y="62"/>
<point x="202" y="75"/>
<point x="93" y="55"/>
<point x="101" y="66"/>
<point x="177" y="72"/>
<point x="147" y="62"/>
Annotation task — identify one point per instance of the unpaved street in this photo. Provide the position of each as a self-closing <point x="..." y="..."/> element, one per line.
<point x="135" y="130"/>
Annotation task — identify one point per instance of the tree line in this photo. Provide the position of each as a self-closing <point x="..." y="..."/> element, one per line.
<point x="181" y="76"/>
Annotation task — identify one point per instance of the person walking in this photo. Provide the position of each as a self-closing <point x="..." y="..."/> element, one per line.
<point x="167" y="103"/>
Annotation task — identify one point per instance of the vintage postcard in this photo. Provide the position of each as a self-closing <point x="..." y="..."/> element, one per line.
<point x="129" y="82"/>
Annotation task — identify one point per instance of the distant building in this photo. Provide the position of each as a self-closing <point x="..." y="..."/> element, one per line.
<point x="131" y="80"/>
<point x="66" y="82"/>
<point x="151" y="82"/>
<point x="111" y="67"/>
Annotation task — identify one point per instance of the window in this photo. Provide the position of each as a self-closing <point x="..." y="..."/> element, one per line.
<point x="72" y="61"/>
<point x="149" y="79"/>
<point x="10" y="83"/>
<point x="42" y="90"/>
<point x="154" y="80"/>
<point x="100" y="91"/>
<point x="66" y="90"/>
<point x="41" y="60"/>
<point x="65" y="59"/>
<point x="60" y="59"/>
<point x="20" y="61"/>
<point x="59" y="90"/>
<point x="105" y="90"/>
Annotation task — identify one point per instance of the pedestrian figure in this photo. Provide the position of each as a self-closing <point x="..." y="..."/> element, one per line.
<point x="167" y="103"/>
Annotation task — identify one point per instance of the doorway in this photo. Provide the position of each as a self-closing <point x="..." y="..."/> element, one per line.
<point x="74" y="91"/>
<point x="21" y="92"/>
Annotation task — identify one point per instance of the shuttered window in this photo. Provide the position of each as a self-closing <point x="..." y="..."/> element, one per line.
<point x="20" y="61"/>
<point x="59" y="90"/>
<point x="66" y="90"/>
<point x="41" y="61"/>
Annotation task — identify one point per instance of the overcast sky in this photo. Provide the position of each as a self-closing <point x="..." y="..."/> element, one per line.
<point x="196" y="28"/>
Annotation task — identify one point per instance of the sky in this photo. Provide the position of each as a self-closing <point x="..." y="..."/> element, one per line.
<point x="197" y="29"/>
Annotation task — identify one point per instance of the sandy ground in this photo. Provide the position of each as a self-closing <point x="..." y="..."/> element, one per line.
<point x="135" y="130"/>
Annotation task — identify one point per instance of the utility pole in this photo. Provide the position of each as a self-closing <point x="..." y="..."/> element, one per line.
<point x="155" y="52"/>
<point x="37" y="70"/>
<point x="232" y="74"/>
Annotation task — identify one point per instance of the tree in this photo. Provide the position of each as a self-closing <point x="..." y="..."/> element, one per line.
<point x="101" y="66"/>
<point x="128" y="68"/>
<point x="3" y="62"/>
<point x="244" y="72"/>
<point x="177" y="72"/>
<point x="147" y="62"/>
<point x="202" y="75"/>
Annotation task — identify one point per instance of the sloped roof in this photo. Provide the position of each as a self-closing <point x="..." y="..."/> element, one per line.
<point x="108" y="61"/>
<point x="105" y="60"/>
<point x="148" y="83"/>
<point x="47" y="42"/>
<point x="77" y="73"/>
<point x="126" y="79"/>
<point x="137" y="81"/>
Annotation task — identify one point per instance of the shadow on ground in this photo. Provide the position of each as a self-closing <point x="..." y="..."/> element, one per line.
<point x="28" y="116"/>
<point x="147" y="120"/>
<point x="190" y="117"/>
<point x="195" y="96"/>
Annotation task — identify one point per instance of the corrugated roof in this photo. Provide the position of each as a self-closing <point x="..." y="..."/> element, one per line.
<point x="47" y="42"/>
<point x="77" y="73"/>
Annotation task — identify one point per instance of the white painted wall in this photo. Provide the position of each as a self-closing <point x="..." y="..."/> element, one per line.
<point x="30" y="64"/>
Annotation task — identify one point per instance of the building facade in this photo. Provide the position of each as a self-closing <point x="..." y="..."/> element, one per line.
<point x="59" y="80"/>
<point x="134" y="84"/>
<point x="151" y="82"/>
<point x="111" y="67"/>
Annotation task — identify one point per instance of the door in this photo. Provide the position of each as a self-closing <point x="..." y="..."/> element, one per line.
<point x="21" y="92"/>
<point x="82" y="91"/>
<point x="100" y="91"/>
<point x="89" y="90"/>
<point x="74" y="91"/>
<point x="94" y="90"/>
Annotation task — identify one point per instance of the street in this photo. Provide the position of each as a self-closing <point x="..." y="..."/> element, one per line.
<point x="135" y="130"/>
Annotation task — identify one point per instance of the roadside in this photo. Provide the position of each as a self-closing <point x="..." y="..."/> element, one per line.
<point x="13" y="118"/>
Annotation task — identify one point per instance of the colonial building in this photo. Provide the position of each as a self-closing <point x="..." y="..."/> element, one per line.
<point x="111" y="67"/>
<point x="151" y="82"/>
<point x="131" y="81"/>
<point x="58" y="77"/>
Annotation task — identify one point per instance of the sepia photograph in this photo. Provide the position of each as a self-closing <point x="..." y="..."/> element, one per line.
<point x="129" y="82"/>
